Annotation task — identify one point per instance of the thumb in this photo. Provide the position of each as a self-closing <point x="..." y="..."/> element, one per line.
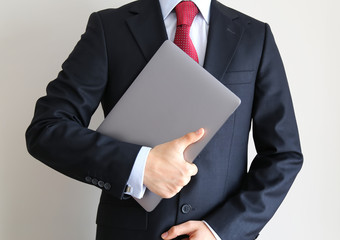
<point x="191" y="138"/>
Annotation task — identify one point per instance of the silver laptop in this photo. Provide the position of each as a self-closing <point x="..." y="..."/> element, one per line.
<point x="172" y="96"/>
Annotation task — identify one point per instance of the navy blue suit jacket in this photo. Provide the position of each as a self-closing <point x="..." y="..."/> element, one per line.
<point x="117" y="44"/>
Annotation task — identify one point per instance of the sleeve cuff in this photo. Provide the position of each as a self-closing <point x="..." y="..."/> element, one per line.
<point x="212" y="231"/>
<point x="135" y="186"/>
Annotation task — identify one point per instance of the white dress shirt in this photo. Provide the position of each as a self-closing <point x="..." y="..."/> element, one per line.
<point x="199" y="36"/>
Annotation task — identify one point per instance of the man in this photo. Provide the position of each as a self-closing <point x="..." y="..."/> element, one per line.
<point x="215" y="198"/>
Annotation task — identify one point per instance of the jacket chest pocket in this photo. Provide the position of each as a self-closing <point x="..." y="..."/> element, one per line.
<point x="239" y="77"/>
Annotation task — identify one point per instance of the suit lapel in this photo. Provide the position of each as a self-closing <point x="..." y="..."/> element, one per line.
<point x="223" y="38"/>
<point x="147" y="27"/>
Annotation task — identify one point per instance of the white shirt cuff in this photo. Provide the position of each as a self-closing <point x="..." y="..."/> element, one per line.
<point x="135" y="184"/>
<point x="212" y="231"/>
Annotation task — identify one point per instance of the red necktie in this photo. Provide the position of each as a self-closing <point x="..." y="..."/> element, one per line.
<point x="186" y="12"/>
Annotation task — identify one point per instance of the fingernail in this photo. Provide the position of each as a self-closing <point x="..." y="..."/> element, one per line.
<point x="164" y="235"/>
<point x="199" y="131"/>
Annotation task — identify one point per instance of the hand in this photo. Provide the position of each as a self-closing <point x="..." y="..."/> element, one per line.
<point x="196" y="230"/>
<point x="166" y="171"/>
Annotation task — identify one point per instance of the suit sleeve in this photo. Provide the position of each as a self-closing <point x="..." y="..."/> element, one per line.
<point x="278" y="158"/>
<point x="58" y="135"/>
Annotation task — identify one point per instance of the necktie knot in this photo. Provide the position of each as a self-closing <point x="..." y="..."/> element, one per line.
<point x="186" y="12"/>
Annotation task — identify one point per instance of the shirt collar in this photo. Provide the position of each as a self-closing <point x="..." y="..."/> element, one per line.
<point x="203" y="5"/>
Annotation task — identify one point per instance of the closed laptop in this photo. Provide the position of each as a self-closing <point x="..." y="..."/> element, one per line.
<point x="172" y="96"/>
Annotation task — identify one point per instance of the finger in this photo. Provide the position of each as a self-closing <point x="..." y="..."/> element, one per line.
<point x="191" y="138"/>
<point x="178" y="230"/>
<point x="193" y="169"/>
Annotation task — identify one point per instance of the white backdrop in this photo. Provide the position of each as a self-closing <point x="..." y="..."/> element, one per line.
<point x="36" y="36"/>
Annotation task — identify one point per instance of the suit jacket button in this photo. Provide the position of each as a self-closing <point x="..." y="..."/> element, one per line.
<point x="107" y="186"/>
<point x="186" y="208"/>
<point x="101" y="184"/>
<point x="88" y="179"/>
<point x="94" y="181"/>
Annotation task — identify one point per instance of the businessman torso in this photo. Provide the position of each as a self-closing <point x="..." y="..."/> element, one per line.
<point x="241" y="53"/>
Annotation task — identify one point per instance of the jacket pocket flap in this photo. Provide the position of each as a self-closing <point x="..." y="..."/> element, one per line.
<point x="239" y="77"/>
<point x="122" y="217"/>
